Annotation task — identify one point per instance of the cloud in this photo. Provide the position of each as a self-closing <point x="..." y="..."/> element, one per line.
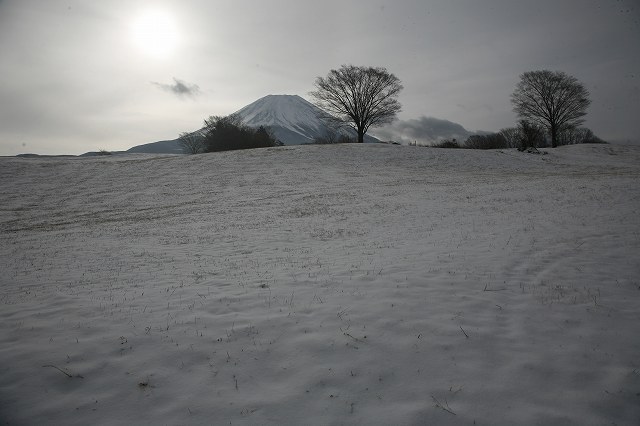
<point x="179" y="88"/>
<point x="423" y="130"/>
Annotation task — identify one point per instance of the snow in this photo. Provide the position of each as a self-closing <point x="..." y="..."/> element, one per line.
<point x="345" y="284"/>
<point x="287" y="111"/>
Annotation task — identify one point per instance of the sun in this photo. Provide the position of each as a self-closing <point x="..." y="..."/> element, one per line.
<point x="154" y="32"/>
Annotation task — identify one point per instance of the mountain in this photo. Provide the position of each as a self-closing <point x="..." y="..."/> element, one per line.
<point x="161" y="147"/>
<point x="292" y="119"/>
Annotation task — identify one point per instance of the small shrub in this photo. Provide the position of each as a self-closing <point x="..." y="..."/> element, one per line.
<point x="192" y="143"/>
<point x="531" y="135"/>
<point x="230" y="133"/>
<point x="333" y="137"/>
<point x="447" y="143"/>
<point x="490" y="141"/>
<point x="511" y="136"/>
<point x="571" y="136"/>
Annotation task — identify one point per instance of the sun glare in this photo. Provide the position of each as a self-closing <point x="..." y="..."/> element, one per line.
<point x="155" y="33"/>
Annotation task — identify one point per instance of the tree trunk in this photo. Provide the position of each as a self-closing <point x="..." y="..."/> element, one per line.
<point x="554" y="136"/>
<point x="360" y="136"/>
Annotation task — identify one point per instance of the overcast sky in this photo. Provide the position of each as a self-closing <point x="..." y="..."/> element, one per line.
<point x="80" y="75"/>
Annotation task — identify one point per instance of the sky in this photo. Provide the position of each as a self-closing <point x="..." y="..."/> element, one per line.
<point x="82" y="75"/>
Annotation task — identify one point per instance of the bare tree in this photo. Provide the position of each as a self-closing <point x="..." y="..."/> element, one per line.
<point x="230" y="133"/>
<point x="531" y="135"/>
<point x="512" y="136"/>
<point x="488" y="141"/>
<point x="574" y="135"/>
<point x="360" y="97"/>
<point x="552" y="99"/>
<point x="333" y="136"/>
<point x="192" y="142"/>
<point x="225" y="133"/>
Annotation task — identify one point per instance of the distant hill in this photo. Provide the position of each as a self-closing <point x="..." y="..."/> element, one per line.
<point x="161" y="147"/>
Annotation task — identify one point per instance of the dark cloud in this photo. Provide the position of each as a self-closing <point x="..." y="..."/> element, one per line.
<point x="423" y="130"/>
<point x="179" y="88"/>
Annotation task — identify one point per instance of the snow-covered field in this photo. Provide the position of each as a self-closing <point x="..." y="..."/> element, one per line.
<point x="322" y="285"/>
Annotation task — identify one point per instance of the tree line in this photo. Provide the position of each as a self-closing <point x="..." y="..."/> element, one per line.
<point x="525" y="135"/>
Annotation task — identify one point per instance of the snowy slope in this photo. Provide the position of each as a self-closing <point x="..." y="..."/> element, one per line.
<point x="322" y="285"/>
<point x="293" y="119"/>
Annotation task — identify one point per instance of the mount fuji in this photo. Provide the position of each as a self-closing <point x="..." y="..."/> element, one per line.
<point x="292" y="119"/>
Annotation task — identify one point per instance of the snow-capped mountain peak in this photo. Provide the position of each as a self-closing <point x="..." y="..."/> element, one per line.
<point x="292" y="118"/>
<point x="288" y="110"/>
